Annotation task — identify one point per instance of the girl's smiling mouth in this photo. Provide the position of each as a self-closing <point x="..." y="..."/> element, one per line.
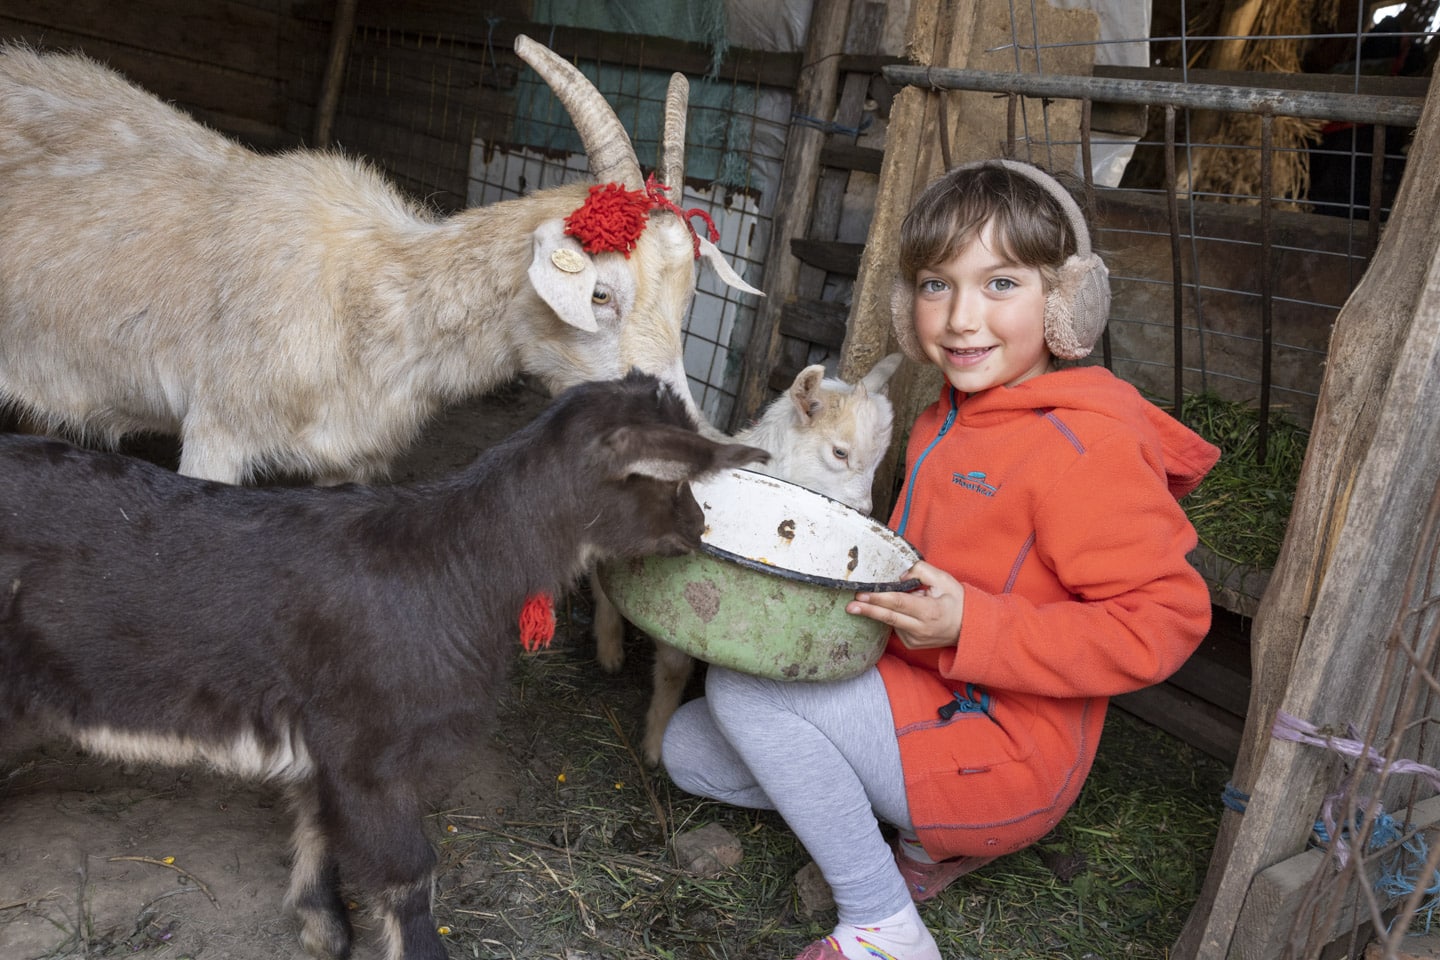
<point x="967" y="356"/>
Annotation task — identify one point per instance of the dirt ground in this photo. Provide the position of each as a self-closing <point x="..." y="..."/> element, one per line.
<point x="100" y="860"/>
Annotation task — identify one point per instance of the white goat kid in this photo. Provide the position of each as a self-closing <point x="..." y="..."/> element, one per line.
<point x="293" y="313"/>
<point x="823" y="434"/>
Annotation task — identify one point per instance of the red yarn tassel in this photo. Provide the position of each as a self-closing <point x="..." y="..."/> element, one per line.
<point x="537" y="622"/>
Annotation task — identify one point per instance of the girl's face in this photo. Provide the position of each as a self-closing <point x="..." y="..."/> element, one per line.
<point x="980" y="317"/>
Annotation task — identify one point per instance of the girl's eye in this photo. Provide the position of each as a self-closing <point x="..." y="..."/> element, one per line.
<point x="600" y="297"/>
<point x="931" y="285"/>
<point x="1002" y="284"/>
<point x="841" y="453"/>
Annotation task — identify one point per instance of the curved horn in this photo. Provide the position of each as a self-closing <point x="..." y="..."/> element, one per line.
<point x="672" y="144"/>
<point x="612" y="156"/>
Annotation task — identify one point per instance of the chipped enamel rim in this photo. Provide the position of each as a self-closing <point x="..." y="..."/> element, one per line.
<point x="784" y="530"/>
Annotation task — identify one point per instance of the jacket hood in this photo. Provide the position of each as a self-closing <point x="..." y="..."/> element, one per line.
<point x="1184" y="455"/>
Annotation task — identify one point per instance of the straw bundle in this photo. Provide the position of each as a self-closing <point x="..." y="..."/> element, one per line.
<point x="1260" y="37"/>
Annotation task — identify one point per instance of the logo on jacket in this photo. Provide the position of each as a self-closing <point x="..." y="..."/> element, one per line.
<point x="974" y="480"/>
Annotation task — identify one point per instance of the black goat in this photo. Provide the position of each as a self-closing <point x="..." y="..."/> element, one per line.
<point x="343" y="640"/>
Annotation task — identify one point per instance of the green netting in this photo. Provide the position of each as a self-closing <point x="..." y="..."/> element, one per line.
<point x="717" y="134"/>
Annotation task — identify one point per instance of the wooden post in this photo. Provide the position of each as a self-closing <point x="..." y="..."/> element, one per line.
<point x="1369" y="471"/>
<point x="814" y="97"/>
<point x="340" y="30"/>
<point x="940" y="33"/>
<point x="958" y="34"/>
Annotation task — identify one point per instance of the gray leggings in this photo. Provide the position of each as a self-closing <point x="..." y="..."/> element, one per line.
<point x="823" y="755"/>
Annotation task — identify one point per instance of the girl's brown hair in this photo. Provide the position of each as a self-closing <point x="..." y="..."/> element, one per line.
<point x="1029" y="225"/>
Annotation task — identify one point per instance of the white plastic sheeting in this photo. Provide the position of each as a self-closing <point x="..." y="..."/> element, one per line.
<point x="1124" y="41"/>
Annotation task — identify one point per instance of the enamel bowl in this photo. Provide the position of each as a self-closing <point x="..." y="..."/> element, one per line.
<point x="766" y="593"/>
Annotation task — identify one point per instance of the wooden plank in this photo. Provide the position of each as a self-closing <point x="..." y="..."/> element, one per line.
<point x="850" y="156"/>
<point x="1216" y="674"/>
<point x="239" y="36"/>
<point x="245" y="106"/>
<point x="833" y="256"/>
<point x="871" y="63"/>
<point x="1280" y="891"/>
<point x="1186" y="717"/>
<point x="815" y="321"/>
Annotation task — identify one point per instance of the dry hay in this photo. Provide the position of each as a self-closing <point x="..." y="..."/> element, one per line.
<point x="1274" y="43"/>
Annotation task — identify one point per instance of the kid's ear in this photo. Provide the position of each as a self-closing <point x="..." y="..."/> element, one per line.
<point x="805" y="391"/>
<point x="902" y="319"/>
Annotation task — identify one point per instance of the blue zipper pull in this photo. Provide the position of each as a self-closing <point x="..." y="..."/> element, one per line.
<point x="966" y="702"/>
<point x="960" y="703"/>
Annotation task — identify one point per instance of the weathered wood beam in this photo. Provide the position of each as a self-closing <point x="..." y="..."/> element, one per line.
<point x="1369" y="472"/>
<point x="815" y="95"/>
<point x="831" y="256"/>
<point x="1312" y="104"/>
<point x="815" y="321"/>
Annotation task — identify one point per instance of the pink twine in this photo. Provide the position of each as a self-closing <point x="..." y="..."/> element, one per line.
<point x="1296" y="730"/>
<point x="1292" y="728"/>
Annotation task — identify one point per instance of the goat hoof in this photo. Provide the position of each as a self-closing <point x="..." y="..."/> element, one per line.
<point x="610" y="660"/>
<point x="652" y="748"/>
<point x="324" y="936"/>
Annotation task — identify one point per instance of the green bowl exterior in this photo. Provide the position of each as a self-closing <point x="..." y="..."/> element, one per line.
<point x="749" y="621"/>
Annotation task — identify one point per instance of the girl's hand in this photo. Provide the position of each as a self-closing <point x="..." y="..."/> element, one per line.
<point x="927" y="618"/>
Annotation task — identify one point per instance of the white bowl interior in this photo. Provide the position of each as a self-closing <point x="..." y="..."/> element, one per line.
<point x="780" y="525"/>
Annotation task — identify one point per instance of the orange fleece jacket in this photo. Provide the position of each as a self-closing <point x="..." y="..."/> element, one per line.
<point x="1055" y="503"/>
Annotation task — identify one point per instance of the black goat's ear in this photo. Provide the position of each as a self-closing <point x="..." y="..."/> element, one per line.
<point x="672" y="454"/>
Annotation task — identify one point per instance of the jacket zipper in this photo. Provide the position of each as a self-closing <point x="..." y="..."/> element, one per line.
<point x="910" y="484"/>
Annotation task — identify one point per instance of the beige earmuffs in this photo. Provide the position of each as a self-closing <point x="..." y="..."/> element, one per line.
<point x="1078" y="303"/>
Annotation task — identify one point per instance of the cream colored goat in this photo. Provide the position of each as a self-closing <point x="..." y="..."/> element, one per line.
<point x="293" y="313"/>
<point x="823" y="434"/>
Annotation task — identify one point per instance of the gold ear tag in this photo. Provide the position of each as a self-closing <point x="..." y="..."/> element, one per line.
<point x="568" y="260"/>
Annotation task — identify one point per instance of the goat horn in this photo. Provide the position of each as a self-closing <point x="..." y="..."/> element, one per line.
<point x="612" y="156"/>
<point x="672" y="144"/>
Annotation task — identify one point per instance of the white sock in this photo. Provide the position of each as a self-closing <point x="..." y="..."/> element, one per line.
<point x="911" y="847"/>
<point x="901" y="937"/>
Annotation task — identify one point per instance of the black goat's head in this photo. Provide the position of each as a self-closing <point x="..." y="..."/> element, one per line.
<point x="642" y="448"/>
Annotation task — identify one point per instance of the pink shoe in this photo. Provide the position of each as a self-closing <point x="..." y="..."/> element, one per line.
<point x="926" y="880"/>
<point x="826" y="949"/>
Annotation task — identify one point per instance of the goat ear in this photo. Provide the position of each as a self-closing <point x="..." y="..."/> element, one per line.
<point x="712" y="255"/>
<point x="879" y="376"/>
<point x="671" y="454"/>
<point x="563" y="274"/>
<point x="805" y="391"/>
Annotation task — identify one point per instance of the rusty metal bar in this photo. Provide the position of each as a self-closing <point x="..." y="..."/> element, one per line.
<point x="1087" y="165"/>
<point x="1177" y="284"/>
<point x="1011" y="104"/>
<point x="1310" y="104"/>
<point x="1267" y="191"/>
<point x="1377" y="188"/>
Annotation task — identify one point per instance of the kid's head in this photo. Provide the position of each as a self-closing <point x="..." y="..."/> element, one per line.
<point x="997" y="277"/>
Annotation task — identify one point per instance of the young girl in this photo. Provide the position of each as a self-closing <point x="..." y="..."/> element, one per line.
<point x="1044" y="503"/>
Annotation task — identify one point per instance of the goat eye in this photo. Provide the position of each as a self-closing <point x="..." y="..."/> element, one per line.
<point x="841" y="453"/>
<point x="600" y="297"/>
